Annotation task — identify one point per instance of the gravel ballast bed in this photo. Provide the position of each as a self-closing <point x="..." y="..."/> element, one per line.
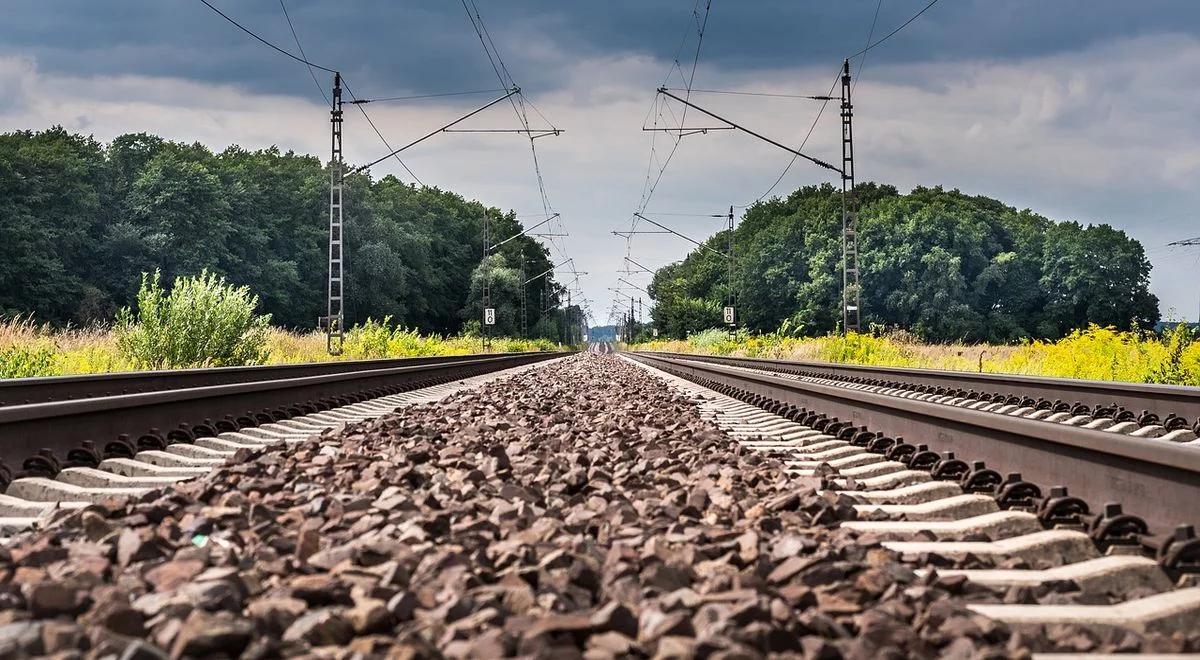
<point x="580" y="509"/>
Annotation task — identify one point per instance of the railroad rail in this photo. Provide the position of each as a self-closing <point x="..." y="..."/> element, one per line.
<point x="19" y="391"/>
<point x="41" y="439"/>
<point x="1169" y="406"/>
<point x="954" y="518"/>
<point x="1148" y="486"/>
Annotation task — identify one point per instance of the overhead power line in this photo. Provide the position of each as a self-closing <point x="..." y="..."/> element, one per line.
<point x="837" y="77"/>
<point x="889" y="34"/>
<point x="296" y="37"/>
<point x="243" y="28"/>
<point x="303" y="59"/>
<point x="393" y="153"/>
<point x="862" y="63"/>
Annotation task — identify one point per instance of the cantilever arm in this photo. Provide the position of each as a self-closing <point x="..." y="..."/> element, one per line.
<point x="624" y="281"/>
<point x="815" y="161"/>
<point x="522" y="233"/>
<point x="430" y="134"/>
<point x="548" y="270"/>
<point x="686" y="238"/>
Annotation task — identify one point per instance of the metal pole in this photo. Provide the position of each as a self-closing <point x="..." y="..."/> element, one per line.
<point x="487" y="276"/>
<point x="524" y="308"/>
<point x="851" y="291"/>
<point x="729" y="276"/>
<point x="631" y="319"/>
<point x="334" y="316"/>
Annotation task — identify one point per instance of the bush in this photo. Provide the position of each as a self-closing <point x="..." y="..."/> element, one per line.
<point x="202" y="322"/>
<point x="380" y="339"/>
<point x="27" y="361"/>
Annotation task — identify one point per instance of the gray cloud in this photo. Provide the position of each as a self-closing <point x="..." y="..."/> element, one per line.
<point x="428" y="44"/>
<point x="1080" y="110"/>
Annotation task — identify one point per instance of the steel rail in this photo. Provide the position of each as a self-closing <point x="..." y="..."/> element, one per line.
<point x="159" y="416"/>
<point x="1158" y="481"/>
<point x="17" y="391"/>
<point x="1160" y="399"/>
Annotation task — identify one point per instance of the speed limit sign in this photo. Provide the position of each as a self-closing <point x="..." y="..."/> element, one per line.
<point x="729" y="318"/>
<point x="489" y="316"/>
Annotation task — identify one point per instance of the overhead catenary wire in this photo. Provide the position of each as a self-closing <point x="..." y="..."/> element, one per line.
<point x="812" y="127"/>
<point x="870" y="45"/>
<point x="649" y="187"/>
<point x="657" y="108"/>
<point x="381" y="137"/>
<point x="243" y="28"/>
<point x="889" y="34"/>
<point x="862" y="63"/>
<point x="518" y="103"/>
<point x="307" y="65"/>
<point x="393" y="153"/>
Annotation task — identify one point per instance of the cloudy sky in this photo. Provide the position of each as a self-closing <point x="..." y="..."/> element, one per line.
<point x="1079" y="109"/>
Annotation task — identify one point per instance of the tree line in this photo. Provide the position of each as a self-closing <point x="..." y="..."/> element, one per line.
<point x="942" y="264"/>
<point x="82" y="220"/>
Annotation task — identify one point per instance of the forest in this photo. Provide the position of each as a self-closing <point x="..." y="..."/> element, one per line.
<point x="940" y="264"/>
<point x="83" y="220"/>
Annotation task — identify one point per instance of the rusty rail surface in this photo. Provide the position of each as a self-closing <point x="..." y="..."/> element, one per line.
<point x="120" y="424"/>
<point x="1158" y="481"/>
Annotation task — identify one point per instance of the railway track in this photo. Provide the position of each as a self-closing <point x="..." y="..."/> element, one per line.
<point x="620" y="505"/>
<point x="1137" y="409"/>
<point x="81" y="443"/>
<point x="1150" y="465"/>
<point x="1109" y="514"/>
<point x="20" y="391"/>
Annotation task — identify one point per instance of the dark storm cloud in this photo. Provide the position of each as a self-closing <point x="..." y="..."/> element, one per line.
<point x="386" y="46"/>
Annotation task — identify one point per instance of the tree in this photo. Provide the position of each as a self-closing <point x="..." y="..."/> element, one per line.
<point x="82" y="222"/>
<point x="50" y="214"/>
<point x="944" y="265"/>
<point x="504" y="295"/>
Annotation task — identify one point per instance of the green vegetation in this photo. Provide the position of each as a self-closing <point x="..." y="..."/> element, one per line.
<point x="1093" y="353"/>
<point x="82" y="221"/>
<point x="942" y="265"/>
<point x="202" y="322"/>
<point x="378" y="339"/>
<point x="28" y="350"/>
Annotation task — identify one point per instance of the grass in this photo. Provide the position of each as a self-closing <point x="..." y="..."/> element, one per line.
<point x="1093" y="353"/>
<point x="29" y="349"/>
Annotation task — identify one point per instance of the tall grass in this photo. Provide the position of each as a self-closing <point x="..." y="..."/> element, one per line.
<point x="28" y="349"/>
<point x="1094" y="353"/>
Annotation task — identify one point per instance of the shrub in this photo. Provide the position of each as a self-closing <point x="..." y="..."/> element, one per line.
<point x="203" y="321"/>
<point x="380" y="339"/>
<point x="1179" y="367"/>
<point x="24" y="361"/>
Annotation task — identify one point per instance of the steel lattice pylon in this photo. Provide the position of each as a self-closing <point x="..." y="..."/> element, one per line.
<point x="850" y="285"/>
<point x="334" y="326"/>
